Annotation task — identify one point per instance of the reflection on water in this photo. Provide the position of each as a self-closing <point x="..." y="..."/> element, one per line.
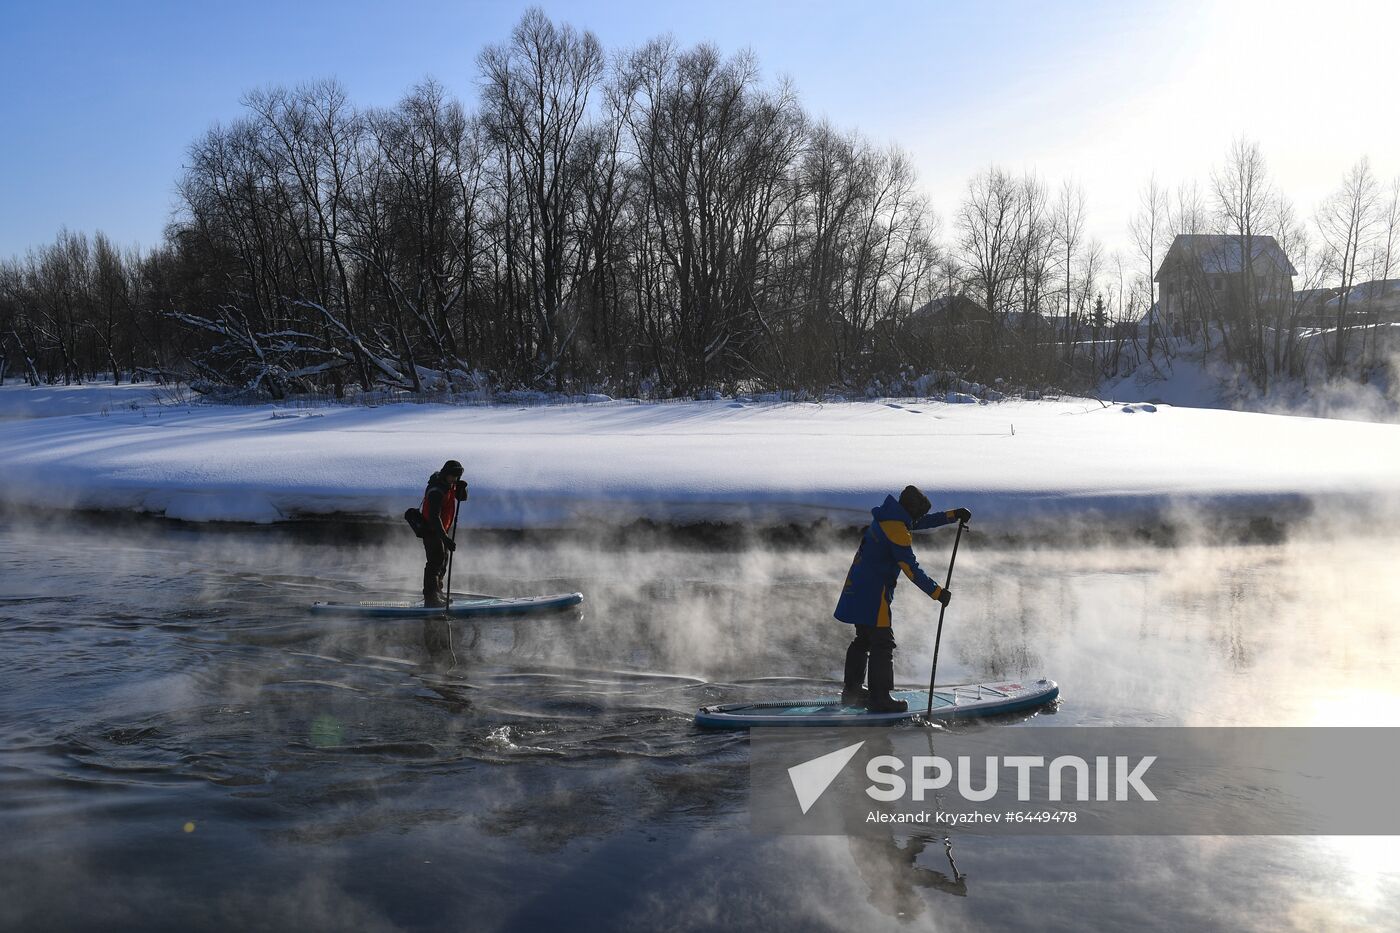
<point x="892" y="870"/>
<point x="184" y="744"/>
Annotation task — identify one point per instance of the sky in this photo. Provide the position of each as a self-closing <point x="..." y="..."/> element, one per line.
<point x="100" y="101"/>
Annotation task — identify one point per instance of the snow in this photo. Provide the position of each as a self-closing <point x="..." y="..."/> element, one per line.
<point x="1193" y="377"/>
<point x="19" y="401"/>
<point x="1186" y="381"/>
<point x="724" y="460"/>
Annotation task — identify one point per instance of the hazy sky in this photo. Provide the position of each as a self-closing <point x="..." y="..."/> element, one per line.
<point x="98" y="101"/>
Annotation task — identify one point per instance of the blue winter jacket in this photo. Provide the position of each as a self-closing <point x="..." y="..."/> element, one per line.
<point x="886" y="549"/>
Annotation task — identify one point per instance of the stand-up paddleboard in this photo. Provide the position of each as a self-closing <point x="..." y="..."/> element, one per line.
<point x="460" y="608"/>
<point x="963" y="701"/>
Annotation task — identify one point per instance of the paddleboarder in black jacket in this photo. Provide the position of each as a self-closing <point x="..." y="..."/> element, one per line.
<point x="439" y="516"/>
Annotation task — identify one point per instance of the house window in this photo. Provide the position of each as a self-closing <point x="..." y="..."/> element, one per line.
<point x="1216" y="284"/>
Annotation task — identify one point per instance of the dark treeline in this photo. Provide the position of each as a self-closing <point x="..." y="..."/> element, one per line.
<point x="657" y="222"/>
<point x="81" y="308"/>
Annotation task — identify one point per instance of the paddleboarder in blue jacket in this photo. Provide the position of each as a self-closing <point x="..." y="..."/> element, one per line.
<point x="885" y="552"/>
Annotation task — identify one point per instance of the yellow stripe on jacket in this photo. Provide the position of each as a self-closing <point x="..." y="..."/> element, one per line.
<point x="909" y="572"/>
<point x="897" y="532"/>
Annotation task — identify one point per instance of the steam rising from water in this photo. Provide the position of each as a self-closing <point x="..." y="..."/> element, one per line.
<point x="362" y="776"/>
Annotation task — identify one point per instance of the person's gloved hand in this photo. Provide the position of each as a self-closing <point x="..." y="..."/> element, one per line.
<point x="944" y="596"/>
<point x="963" y="515"/>
<point x="461" y="489"/>
<point x="449" y="544"/>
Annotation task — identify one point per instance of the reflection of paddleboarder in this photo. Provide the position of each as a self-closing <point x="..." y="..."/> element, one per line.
<point x="889" y="864"/>
<point x="891" y="870"/>
<point x="435" y="522"/>
<point x="886" y="549"/>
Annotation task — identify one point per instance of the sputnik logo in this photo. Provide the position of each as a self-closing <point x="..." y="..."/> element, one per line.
<point x="811" y="778"/>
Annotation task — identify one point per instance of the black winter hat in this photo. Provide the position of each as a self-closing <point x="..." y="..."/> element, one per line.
<point x="914" y="502"/>
<point x="453" y="468"/>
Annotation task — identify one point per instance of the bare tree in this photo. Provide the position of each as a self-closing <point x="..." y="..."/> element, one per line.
<point x="1149" y="229"/>
<point x="112" y="308"/>
<point x="1069" y="221"/>
<point x="1385" y="254"/>
<point x="536" y="95"/>
<point x="714" y="156"/>
<point x="990" y="219"/>
<point x="1248" y="208"/>
<point x="1349" y="220"/>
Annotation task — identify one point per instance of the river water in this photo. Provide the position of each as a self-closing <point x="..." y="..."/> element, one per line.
<point x="183" y="746"/>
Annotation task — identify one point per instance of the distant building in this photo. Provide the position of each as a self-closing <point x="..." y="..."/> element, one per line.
<point x="1310" y="306"/>
<point x="1029" y="321"/>
<point x="1153" y="318"/>
<point x="1313" y="300"/>
<point x="951" y="311"/>
<point x="1377" y="300"/>
<point x="1206" y="276"/>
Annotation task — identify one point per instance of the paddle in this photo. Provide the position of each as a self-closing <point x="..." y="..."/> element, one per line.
<point x="947" y="583"/>
<point x="447" y="603"/>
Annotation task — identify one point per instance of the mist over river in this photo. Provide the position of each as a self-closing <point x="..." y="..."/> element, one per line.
<point x="183" y="745"/>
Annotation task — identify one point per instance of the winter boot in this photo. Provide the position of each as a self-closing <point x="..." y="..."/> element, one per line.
<point x="855" y="696"/>
<point x="881" y="682"/>
<point x="886" y="704"/>
<point x="854" y="693"/>
<point x="433" y="597"/>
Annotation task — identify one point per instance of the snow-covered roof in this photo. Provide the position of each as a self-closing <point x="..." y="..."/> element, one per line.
<point x="1218" y="254"/>
<point x="1312" y="294"/>
<point x="1371" y="291"/>
<point x="959" y="304"/>
<point x="1154" y="312"/>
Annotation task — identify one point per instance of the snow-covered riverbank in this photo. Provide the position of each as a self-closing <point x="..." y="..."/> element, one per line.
<point x="728" y="461"/>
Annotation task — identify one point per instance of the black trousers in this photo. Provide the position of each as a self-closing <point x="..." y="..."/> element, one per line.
<point x="875" y="645"/>
<point x="433" y="570"/>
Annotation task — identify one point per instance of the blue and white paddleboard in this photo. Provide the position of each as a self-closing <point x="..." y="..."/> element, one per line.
<point x="464" y="607"/>
<point x="963" y="701"/>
